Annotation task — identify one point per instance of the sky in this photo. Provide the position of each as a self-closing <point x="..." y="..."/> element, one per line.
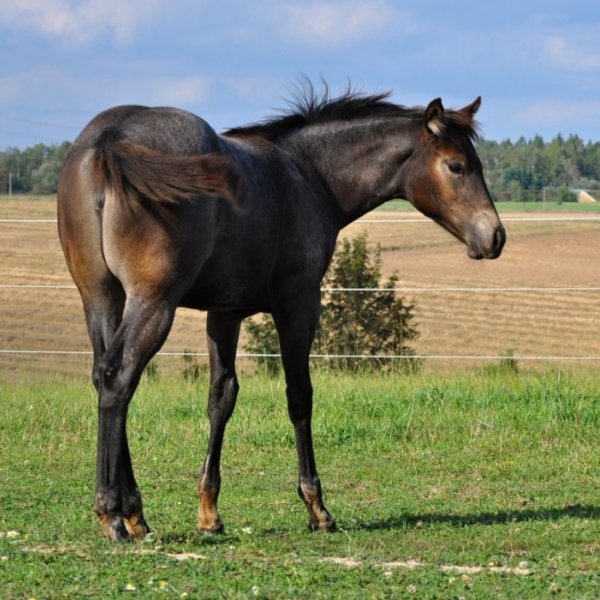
<point x="535" y="63"/>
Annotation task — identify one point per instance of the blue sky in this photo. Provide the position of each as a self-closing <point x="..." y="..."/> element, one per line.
<point x="535" y="63"/>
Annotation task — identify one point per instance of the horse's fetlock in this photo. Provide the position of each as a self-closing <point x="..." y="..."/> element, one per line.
<point x="210" y="486"/>
<point x="310" y="490"/>
<point x="108" y="502"/>
<point x="132" y="503"/>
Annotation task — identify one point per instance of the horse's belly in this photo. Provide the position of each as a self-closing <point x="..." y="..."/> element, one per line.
<point x="228" y="296"/>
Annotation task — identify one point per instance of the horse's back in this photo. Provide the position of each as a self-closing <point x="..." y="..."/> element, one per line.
<point x="165" y="129"/>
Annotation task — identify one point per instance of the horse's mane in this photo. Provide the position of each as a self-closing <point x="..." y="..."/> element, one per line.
<point x="308" y="107"/>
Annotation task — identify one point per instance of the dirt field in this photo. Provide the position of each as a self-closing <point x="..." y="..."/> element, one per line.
<point x="541" y="254"/>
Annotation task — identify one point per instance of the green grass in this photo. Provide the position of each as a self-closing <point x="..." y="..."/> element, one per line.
<point x="567" y="207"/>
<point x="488" y="483"/>
<point x="538" y="207"/>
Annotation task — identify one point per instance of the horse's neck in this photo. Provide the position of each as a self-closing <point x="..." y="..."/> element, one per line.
<point x="360" y="163"/>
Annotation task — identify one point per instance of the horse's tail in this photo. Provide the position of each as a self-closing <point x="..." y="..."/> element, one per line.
<point x="134" y="171"/>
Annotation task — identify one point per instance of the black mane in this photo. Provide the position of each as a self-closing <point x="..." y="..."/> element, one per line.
<point x="308" y="107"/>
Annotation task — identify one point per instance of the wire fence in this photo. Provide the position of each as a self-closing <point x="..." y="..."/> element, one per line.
<point x="553" y="218"/>
<point x="400" y="289"/>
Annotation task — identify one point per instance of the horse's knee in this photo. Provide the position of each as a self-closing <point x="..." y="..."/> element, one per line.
<point x="96" y="378"/>
<point x="115" y="389"/>
<point x="99" y="369"/>
<point x="106" y="370"/>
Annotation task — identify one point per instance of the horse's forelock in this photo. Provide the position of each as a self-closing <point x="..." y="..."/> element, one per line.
<point x="457" y="122"/>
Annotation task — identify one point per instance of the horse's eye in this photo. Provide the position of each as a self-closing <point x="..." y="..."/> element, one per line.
<point x="456" y="167"/>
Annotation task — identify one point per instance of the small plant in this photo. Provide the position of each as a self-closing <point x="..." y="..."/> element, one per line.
<point x="152" y="371"/>
<point x="507" y="365"/>
<point x="263" y="341"/>
<point x="193" y="369"/>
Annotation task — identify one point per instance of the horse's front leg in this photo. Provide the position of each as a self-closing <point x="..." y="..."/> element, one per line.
<point x="296" y="324"/>
<point x="222" y="334"/>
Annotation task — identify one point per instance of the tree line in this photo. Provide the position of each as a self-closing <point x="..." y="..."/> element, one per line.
<point x="521" y="170"/>
<point x="514" y="170"/>
<point x="34" y="170"/>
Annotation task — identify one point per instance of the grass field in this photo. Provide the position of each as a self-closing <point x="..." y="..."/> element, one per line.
<point x="510" y="207"/>
<point x="475" y="486"/>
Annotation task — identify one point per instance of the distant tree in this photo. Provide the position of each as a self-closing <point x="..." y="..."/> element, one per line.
<point x="34" y="170"/>
<point x="45" y="177"/>
<point x="4" y="170"/>
<point x="535" y="164"/>
<point x="514" y="191"/>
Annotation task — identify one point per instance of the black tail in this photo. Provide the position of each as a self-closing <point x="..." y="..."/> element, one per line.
<point x="133" y="170"/>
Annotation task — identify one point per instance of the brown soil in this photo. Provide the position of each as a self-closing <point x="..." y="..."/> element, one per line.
<point x="527" y="323"/>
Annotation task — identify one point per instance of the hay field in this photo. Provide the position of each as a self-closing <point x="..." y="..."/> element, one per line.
<point x="538" y="254"/>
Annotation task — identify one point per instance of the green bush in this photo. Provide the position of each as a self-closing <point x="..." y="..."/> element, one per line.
<point x="566" y="195"/>
<point x="375" y="324"/>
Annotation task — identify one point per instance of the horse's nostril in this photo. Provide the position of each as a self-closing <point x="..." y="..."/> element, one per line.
<point x="499" y="238"/>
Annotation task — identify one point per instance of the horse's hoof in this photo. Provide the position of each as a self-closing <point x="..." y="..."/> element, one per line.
<point x="113" y="527"/>
<point x="329" y="526"/>
<point x="216" y="529"/>
<point x="137" y="527"/>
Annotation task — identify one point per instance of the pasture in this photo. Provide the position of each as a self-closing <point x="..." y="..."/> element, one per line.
<point x="469" y="479"/>
<point x="474" y="485"/>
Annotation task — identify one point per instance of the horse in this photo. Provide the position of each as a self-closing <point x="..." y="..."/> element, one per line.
<point x="156" y="211"/>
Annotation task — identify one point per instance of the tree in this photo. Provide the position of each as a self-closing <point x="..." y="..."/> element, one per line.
<point x="371" y="323"/>
<point x="45" y="176"/>
<point x="33" y="170"/>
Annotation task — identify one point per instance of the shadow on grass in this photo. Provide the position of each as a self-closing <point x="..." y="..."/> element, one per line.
<point x="575" y="511"/>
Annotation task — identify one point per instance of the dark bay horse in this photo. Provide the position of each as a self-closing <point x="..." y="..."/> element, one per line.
<point x="156" y="211"/>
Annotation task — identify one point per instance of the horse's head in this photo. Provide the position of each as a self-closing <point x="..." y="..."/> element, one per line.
<point x="446" y="180"/>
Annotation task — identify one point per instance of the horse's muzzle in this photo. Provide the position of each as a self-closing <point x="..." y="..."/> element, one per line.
<point x="485" y="240"/>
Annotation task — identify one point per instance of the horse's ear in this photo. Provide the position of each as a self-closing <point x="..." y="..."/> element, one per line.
<point x="434" y="117"/>
<point x="470" y="110"/>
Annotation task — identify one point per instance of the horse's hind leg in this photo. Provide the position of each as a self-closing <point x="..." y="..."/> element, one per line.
<point x="103" y="314"/>
<point x="223" y="331"/>
<point x="144" y="327"/>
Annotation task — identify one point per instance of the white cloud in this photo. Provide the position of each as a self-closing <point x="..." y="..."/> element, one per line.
<point x="335" y="23"/>
<point x="576" y="51"/>
<point x="79" y="22"/>
<point x="553" y="112"/>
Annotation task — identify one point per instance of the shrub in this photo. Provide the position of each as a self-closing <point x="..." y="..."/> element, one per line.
<point x="566" y="195"/>
<point x="371" y="323"/>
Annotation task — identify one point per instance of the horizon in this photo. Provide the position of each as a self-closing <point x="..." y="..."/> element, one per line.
<point x="537" y="66"/>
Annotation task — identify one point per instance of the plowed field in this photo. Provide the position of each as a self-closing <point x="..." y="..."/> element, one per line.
<point x="509" y="318"/>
